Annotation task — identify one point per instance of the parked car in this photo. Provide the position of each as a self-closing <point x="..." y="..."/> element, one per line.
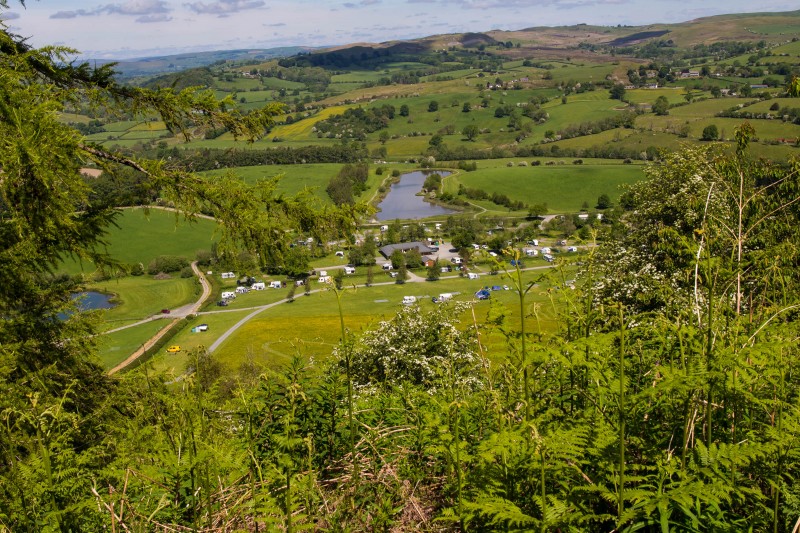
<point x="165" y="311"/>
<point x="174" y="349"/>
<point x="222" y="303"/>
<point x="482" y="294"/>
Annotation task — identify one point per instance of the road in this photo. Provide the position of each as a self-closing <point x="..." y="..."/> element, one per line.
<point x="175" y="316"/>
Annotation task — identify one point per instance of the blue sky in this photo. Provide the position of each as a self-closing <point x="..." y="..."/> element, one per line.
<point x="135" y="28"/>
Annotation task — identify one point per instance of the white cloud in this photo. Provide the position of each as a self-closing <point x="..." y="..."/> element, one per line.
<point x="224" y="7"/>
<point x="143" y="8"/>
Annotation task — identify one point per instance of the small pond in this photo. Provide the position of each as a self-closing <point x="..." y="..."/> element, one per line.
<point x="402" y="201"/>
<point x="91" y="300"/>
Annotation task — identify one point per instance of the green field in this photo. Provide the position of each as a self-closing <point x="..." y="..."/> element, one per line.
<point x="564" y="188"/>
<point x="311" y="177"/>
<point x="141" y="235"/>
<point x="114" y="348"/>
<point x="138" y="297"/>
<point x="310" y="325"/>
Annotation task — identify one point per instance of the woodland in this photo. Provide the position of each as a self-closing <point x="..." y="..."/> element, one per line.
<point x="664" y="399"/>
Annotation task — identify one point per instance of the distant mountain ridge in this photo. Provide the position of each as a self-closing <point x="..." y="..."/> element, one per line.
<point x="545" y="40"/>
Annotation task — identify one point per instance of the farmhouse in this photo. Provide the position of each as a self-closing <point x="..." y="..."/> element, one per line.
<point x="387" y="250"/>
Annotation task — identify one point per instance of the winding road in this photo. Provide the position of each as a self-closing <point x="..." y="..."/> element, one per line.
<point x="175" y="316"/>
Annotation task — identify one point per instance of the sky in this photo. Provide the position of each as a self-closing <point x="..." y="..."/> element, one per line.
<point x="120" y="29"/>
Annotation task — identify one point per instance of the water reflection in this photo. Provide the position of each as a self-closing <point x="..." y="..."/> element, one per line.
<point x="402" y="201"/>
<point x="91" y="300"/>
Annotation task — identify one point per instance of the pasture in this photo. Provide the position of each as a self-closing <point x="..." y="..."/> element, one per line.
<point x="114" y="348"/>
<point x="564" y="188"/>
<point x="310" y="326"/>
<point x="141" y="235"/>
<point x="139" y="297"/>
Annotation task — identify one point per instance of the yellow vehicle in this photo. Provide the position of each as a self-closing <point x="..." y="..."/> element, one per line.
<point x="174" y="349"/>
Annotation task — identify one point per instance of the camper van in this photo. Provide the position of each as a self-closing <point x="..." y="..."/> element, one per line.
<point x="387" y="266"/>
<point x="456" y="260"/>
<point x="408" y="300"/>
<point x="228" y="295"/>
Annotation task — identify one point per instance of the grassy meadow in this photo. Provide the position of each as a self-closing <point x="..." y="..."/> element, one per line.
<point x="310" y="325"/>
<point x="138" y="297"/>
<point x="141" y="235"/>
<point x="564" y="188"/>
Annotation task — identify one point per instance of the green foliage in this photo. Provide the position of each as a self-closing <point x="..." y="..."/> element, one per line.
<point x="710" y="133"/>
<point x="167" y="263"/>
<point x="661" y="106"/>
<point x="617" y="92"/>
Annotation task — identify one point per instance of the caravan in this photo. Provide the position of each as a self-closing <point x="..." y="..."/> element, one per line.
<point x="349" y="270"/>
<point x="258" y="286"/>
<point x="228" y="295"/>
<point x="408" y="300"/>
<point x="275" y="284"/>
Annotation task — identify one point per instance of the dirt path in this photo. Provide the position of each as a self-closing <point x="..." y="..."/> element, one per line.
<point x="176" y="316"/>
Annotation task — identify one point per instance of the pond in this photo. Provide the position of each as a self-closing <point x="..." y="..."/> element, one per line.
<point x="92" y="300"/>
<point x="402" y="201"/>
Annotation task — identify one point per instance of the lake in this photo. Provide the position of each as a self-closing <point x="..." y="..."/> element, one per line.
<point x="402" y="201"/>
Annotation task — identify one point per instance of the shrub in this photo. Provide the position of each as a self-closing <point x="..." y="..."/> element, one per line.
<point x="167" y="263"/>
